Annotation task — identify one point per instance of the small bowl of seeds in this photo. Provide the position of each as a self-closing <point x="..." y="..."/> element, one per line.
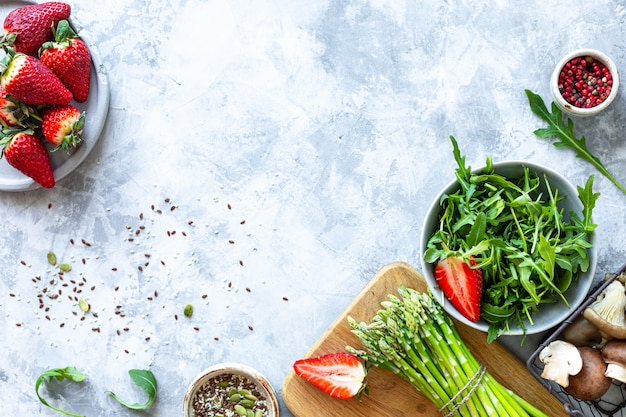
<point x="584" y="82"/>
<point x="230" y="390"/>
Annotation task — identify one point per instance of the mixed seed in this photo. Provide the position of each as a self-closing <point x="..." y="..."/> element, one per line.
<point x="229" y="395"/>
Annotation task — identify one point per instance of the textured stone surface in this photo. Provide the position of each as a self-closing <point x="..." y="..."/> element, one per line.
<point x="272" y="155"/>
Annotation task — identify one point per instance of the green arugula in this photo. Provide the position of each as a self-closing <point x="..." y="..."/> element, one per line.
<point x="565" y="132"/>
<point x="515" y="231"/>
<point x="145" y="380"/>
<point x="69" y="372"/>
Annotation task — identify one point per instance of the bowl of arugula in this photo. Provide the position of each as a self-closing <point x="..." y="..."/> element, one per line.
<point x="509" y="248"/>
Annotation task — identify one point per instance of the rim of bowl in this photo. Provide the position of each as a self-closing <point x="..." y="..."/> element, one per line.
<point x="577" y="111"/>
<point x="482" y="325"/>
<point x="231" y="368"/>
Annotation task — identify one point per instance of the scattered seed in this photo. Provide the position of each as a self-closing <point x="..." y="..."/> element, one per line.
<point x="65" y="267"/>
<point x="84" y="305"/>
<point x="52" y="258"/>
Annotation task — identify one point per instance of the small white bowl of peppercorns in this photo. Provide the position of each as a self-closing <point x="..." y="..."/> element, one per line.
<point x="230" y="390"/>
<point x="584" y="82"/>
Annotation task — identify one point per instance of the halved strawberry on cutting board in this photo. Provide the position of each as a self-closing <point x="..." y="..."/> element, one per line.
<point x="461" y="284"/>
<point x="340" y="375"/>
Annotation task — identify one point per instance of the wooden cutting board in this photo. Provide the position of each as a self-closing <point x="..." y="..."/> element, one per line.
<point x="389" y="395"/>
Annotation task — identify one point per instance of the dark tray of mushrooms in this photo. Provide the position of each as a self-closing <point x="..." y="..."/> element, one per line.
<point x="583" y="362"/>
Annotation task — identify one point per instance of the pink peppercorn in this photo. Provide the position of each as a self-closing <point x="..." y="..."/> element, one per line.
<point x="585" y="82"/>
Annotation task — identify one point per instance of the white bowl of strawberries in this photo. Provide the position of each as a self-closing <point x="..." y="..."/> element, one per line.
<point x="512" y="250"/>
<point x="53" y="95"/>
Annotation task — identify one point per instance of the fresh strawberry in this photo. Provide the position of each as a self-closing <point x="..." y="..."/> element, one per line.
<point x="13" y="113"/>
<point x="25" y="152"/>
<point x="28" y="27"/>
<point x="63" y="126"/>
<point x="340" y="375"/>
<point x="28" y="80"/>
<point x="461" y="284"/>
<point x="69" y="58"/>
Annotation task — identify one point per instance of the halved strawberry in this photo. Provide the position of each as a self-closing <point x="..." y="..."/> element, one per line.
<point x="63" y="126"/>
<point x="340" y="375"/>
<point x="461" y="284"/>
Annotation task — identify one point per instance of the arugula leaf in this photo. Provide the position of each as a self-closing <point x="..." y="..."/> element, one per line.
<point x="565" y="132"/>
<point x="145" y="380"/>
<point x="68" y="372"/>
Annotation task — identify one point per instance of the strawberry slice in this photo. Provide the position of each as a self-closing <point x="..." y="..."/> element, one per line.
<point x="461" y="284"/>
<point x="340" y="375"/>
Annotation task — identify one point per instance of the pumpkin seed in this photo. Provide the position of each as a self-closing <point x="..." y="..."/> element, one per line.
<point x="247" y="403"/>
<point x="251" y="397"/>
<point x="52" y="258"/>
<point x="83" y="305"/>
<point x="241" y="410"/>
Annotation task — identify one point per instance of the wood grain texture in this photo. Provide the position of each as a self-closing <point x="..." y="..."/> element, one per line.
<point x="389" y="395"/>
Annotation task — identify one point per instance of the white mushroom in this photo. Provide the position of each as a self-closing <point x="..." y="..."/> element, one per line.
<point x="561" y="359"/>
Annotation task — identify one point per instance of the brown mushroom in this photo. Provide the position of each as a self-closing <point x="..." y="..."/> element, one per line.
<point x="608" y="313"/>
<point x="582" y="333"/>
<point x="590" y="383"/>
<point x="614" y="354"/>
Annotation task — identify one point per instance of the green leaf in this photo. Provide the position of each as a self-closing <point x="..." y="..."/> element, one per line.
<point x="68" y="372"/>
<point x="477" y="232"/>
<point x="565" y="132"/>
<point x="588" y="198"/>
<point x="145" y="380"/>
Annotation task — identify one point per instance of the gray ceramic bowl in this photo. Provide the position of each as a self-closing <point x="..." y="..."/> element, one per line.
<point x="549" y="315"/>
<point x="223" y="371"/>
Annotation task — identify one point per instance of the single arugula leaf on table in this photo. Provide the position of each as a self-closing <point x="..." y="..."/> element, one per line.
<point x="145" y="380"/>
<point x="68" y="372"/>
<point x="565" y="132"/>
